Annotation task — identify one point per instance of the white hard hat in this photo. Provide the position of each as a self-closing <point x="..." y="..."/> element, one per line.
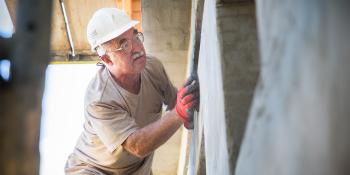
<point x="106" y="24"/>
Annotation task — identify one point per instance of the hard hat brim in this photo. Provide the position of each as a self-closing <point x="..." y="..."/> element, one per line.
<point x="115" y="34"/>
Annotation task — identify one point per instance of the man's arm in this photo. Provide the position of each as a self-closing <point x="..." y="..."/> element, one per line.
<point x="147" y="139"/>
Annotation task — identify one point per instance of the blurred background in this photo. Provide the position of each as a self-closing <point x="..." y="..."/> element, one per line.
<point x="274" y="82"/>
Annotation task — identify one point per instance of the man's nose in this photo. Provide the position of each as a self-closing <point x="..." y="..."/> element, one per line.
<point x="135" y="44"/>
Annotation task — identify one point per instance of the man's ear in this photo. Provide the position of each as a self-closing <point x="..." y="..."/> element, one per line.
<point x="105" y="58"/>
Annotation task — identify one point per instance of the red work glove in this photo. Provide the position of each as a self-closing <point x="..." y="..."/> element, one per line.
<point x="188" y="101"/>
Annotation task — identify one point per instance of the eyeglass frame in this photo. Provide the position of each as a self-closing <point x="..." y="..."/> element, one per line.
<point x="124" y="43"/>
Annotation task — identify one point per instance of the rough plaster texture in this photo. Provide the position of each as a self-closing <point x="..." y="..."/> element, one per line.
<point x="240" y="68"/>
<point x="299" y="122"/>
<point x="212" y="103"/>
<point x="166" y="27"/>
<point x="167" y="23"/>
<point x="228" y="70"/>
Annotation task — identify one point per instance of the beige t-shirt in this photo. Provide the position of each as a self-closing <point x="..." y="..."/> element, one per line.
<point x="112" y="114"/>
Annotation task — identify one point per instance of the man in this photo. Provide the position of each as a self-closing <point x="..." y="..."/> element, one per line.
<point x="123" y="102"/>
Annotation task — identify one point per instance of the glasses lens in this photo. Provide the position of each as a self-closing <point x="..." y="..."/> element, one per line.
<point x="123" y="45"/>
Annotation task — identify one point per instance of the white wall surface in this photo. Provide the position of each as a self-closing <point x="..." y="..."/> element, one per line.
<point x="63" y="114"/>
<point x="212" y="97"/>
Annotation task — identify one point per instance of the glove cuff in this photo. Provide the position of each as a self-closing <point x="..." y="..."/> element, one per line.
<point x="188" y="125"/>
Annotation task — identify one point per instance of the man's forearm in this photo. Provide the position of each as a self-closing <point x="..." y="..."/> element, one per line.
<point x="145" y="140"/>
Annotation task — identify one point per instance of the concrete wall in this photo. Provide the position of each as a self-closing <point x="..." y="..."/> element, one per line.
<point x="228" y="70"/>
<point x="166" y="27"/>
<point x="299" y="122"/>
<point x="237" y="29"/>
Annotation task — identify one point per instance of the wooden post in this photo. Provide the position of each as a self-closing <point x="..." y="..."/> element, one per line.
<point x="21" y="98"/>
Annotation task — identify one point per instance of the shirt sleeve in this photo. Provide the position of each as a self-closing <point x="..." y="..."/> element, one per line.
<point x="113" y="125"/>
<point x="169" y="91"/>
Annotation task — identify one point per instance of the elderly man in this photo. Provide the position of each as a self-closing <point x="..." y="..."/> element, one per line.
<point x="123" y="102"/>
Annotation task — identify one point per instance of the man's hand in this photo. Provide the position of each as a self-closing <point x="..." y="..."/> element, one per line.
<point x="188" y="101"/>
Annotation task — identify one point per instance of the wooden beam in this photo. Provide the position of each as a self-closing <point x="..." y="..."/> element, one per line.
<point x="20" y="98"/>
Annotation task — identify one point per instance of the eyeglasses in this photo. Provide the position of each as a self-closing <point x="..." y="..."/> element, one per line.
<point x="126" y="44"/>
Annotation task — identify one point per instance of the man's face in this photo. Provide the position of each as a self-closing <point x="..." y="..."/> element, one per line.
<point x="127" y="53"/>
